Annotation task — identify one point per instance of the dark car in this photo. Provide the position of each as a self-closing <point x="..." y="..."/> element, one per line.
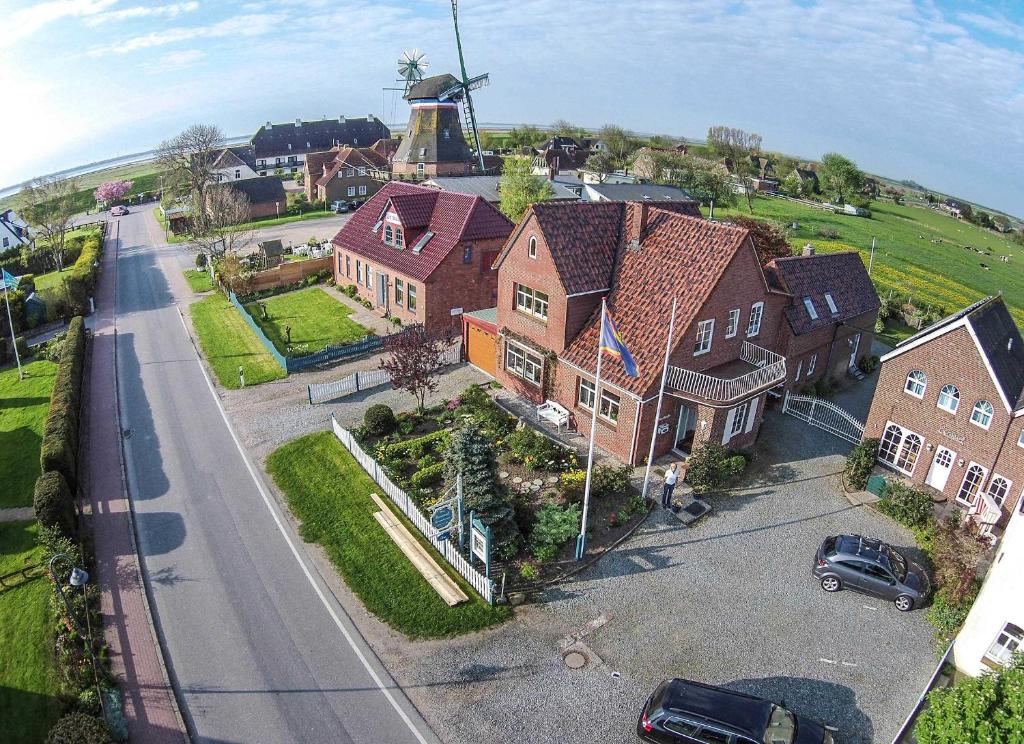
<point x="872" y="567"/>
<point x="685" y="712"/>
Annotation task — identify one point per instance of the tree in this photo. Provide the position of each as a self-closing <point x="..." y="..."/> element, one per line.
<point x="48" y="205"/>
<point x="839" y="176"/>
<point x="1001" y="222"/>
<point x="525" y="136"/>
<point x="519" y="187"/>
<point x="620" y="144"/>
<point x="982" y="219"/>
<point x="600" y="163"/>
<point x="188" y="160"/>
<point x="792" y="185"/>
<point x="770" y="241"/>
<point x="213" y="227"/>
<point x="563" y="128"/>
<point x="977" y="710"/>
<point x="705" y="180"/>
<point x="111" y="191"/>
<point x="414" y="361"/>
<point x="738" y="146"/>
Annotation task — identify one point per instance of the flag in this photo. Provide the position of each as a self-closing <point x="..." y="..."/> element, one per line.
<point x="9" y="281"/>
<point x="612" y="344"/>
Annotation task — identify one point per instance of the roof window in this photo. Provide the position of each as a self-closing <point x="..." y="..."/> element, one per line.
<point x="810" y="308"/>
<point x="831" y="304"/>
<point x="422" y="242"/>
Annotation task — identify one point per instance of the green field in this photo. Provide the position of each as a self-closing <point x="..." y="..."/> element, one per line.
<point x="329" y="493"/>
<point x="23" y="408"/>
<point x="228" y="343"/>
<point x="143" y="176"/>
<point x="316" y="320"/>
<point x="29" y="680"/>
<point x="199" y="281"/>
<point x="907" y="262"/>
<point x="49" y="280"/>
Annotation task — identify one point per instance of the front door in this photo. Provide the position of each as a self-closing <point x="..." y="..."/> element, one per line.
<point x="855" y="342"/>
<point x="382" y="290"/>
<point x="685" y="426"/>
<point x="938" y="473"/>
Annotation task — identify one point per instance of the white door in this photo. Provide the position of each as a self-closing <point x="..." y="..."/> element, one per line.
<point x="855" y="342"/>
<point x="938" y="473"/>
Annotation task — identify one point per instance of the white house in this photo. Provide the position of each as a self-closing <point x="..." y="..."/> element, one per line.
<point x="13" y="230"/>
<point x="234" y="164"/>
<point x="284" y="146"/>
<point x="994" y="629"/>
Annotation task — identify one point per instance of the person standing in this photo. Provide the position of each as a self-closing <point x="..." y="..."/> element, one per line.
<point x="671" y="476"/>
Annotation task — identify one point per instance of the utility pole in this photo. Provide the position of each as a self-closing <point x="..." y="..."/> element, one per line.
<point x="871" y="261"/>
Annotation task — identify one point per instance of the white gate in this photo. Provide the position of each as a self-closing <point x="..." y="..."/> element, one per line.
<point x="824" y="415"/>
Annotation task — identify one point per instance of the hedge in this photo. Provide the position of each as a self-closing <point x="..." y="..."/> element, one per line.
<point x="60" y="432"/>
<point x="401" y="448"/>
<point x="54" y="505"/>
<point x="79" y="728"/>
<point x="81" y="280"/>
<point x="428" y="476"/>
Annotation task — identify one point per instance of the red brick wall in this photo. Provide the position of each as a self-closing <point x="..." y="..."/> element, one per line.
<point x="267" y="209"/>
<point x="431" y="169"/>
<point x="615" y="438"/>
<point x="950" y="359"/>
<point x="799" y="349"/>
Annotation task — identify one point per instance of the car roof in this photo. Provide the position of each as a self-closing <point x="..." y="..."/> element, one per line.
<point x="866" y="548"/>
<point x="748" y="715"/>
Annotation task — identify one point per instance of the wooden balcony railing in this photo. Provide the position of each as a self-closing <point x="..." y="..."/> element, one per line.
<point x="770" y="371"/>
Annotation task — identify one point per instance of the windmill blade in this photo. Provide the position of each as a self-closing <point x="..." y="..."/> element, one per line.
<point x="478" y="82"/>
<point x="411" y="66"/>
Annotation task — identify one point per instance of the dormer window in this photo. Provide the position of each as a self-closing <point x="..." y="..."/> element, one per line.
<point x="389" y="235"/>
<point x="810" y="308"/>
<point x="399" y="238"/>
<point x="423" y="152"/>
<point x="831" y="304"/>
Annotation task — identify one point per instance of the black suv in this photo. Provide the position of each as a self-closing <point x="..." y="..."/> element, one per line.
<point x="685" y="712"/>
<point x="872" y="567"/>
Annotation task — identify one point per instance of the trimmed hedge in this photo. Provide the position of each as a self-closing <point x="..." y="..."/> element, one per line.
<point x="79" y="728"/>
<point x="402" y="448"/>
<point x="428" y="476"/>
<point x="379" y="419"/>
<point x="54" y="505"/>
<point x="81" y="281"/>
<point x="59" y="449"/>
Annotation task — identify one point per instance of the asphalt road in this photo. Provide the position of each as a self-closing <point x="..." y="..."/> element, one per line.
<point x="258" y="648"/>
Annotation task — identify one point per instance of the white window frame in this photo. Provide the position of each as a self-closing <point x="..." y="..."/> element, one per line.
<point x="351" y="191"/>
<point x="399" y="237"/>
<point x="981" y="482"/>
<point x="812" y="364"/>
<point x="389" y="234"/>
<point x="369" y="277"/>
<point x="410" y="294"/>
<point x="399" y="292"/>
<point x="809" y="304"/>
<point x="911" y="383"/>
<point x="831" y="304"/>
<point x="954" y="396"/>
<point x="1000" y="499"/>
<point x="362" y="190"/>
<point x="359" y="272"/>
<point x="361" y="171"/>
<point x="989" y="413"/>
<point x="421" y="169"/>
<point x="586" y="394"/>
<point x="610" y="405"/>
<point x="1020" y="439"/>
<point x="898" y="450"/>
<point x="733" y="324"/>
<point x="1001" y="651"/>
<point x="350" y="172"/>
<point x="531" y="248"/>
<point x="705" y="337"/>
<point x="739" y="419"/>
<point x="754" y="321"/>
<point x="522" y="363"/>
<point x="532" y="301"/>
<point x="799" y="369"/>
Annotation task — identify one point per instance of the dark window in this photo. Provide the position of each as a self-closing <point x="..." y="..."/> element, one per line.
<point x="679" y="726"/>
<point x="710" y="736"/>
<point x="877" y="572"/>
<point x="467" y="254"/>
<point x="856" y="566"/>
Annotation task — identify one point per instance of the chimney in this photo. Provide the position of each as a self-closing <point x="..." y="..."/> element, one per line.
<point x="341" y="119"/>
<point x="645" y="209"/>
<point x="552" y="172"/>
<point x="298" y="122"/>
<point x="269" y="125"/>
<point x="808" y="250"/>
<point x="637" y="213"/>
<point x="369" y="117"/>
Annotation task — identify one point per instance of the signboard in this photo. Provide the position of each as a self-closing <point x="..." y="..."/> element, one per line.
<point x="392" y="218"/>
<point x="443" y="518"/>
<point x="456" y="311"/>
<point x="662" y="428"/>
<point x="480" y="542"/>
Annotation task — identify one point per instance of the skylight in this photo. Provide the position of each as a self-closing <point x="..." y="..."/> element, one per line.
<point x="422" y="242"/>
<point x="810" y="308"/>
<point x="831" y="304"/>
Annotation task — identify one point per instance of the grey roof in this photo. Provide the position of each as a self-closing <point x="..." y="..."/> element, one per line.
<point x="487" y="315"/>
<point x="430" y="87"/>
<point x="487" y="187"/>
<point x="316" y="136"/>
<point x="640" y="192"/>
<point x="260" y="190"/>
<point x="271" y="248"/>
<point x="232" y="157"/>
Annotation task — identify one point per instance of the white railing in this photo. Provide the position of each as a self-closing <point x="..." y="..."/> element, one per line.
<point x="824" y="415"/>
<point x="447" y="548"/>
<point x="323" y="392"/>
<point x="771" y="370"/>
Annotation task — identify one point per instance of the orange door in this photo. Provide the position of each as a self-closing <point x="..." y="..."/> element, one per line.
<point x="482" y="349"/>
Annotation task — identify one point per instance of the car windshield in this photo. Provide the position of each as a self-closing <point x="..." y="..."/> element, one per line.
<point x="898" y="562"/>
<point x="781" y="727"/>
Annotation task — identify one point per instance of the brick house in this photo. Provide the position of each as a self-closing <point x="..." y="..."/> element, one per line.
<point x="829" y="324"/>
<point x="422" y="255"/>
<point x="563" y="258"/>
<point x="345" y="173"/>
<point x="265" y="195"/>
<point x="949" y="410"/>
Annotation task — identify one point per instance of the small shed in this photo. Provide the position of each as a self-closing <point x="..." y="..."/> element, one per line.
<point x="480" y="339"/>
<point x="271" y="253"/>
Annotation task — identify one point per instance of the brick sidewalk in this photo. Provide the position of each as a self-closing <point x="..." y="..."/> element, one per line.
<point x="149" y="704"/>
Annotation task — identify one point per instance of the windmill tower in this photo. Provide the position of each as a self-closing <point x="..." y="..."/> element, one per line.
<point x="434" y="143"/>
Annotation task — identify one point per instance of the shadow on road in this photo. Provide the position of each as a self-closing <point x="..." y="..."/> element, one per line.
<point x="139" y="428"/>
<point x="165" y="531"/>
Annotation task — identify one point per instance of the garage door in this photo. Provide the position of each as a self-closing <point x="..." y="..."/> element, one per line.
<point x="481" y="349"/>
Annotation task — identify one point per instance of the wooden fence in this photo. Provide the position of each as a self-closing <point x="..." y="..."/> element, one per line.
<point x="447" y="548"/>
<point x="289" y="272"/>
<point x="321" y="393"/>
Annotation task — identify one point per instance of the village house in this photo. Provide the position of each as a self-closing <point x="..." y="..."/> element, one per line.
<point x="808" y="180"/>
<point x="489" y="187"/>
<point x="345" y="173"/>
<point x="234" y="164"/>
<point x="13" y="230"/>
<point x="644" y="166"/>
<point x="552" y="274"/>
<point x="422" y="255"/>
<point x="265" y="195"/>
<point x="284" y="146"/>
<point x="949" y="411"/>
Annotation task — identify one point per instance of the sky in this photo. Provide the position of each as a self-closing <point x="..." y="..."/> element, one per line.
<point x="929" y="90"/>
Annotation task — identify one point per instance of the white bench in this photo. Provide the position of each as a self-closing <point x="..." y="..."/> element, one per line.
<point x="553" y="412"/>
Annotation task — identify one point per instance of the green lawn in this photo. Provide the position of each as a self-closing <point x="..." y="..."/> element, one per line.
<point x="275" y="221"/>
<point x="23" y="408"/>
<point x="228" y="343"/>
<point x="29" y="679"/>
<point x="199" y="281"/>
<point x="907" y="262"/>
<point x="330" y="494"/>
<point x="49" y="280"/>
<point x="316" y="320"/>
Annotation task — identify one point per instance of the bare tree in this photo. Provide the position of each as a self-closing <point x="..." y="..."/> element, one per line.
<point x="218" y="222"/>
<point x="48" y="205"/>
<point x="738" y="146"/>
<point x="188" y="159"/>
<point x="620" y="143"/>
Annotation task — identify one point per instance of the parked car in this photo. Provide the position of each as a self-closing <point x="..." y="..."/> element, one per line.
<point x="694" y="713"/>
<point x="119" y="211"/>
<point x="356" y="203"/>
<point x="872" y="567"/>
<point x="339" y="207"/>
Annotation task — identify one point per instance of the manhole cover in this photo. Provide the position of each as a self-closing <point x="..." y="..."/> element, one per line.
<point x="575" y="660"/>
<point x="694" y="508"/>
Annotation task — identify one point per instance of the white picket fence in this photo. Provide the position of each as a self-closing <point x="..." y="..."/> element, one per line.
<point x="447" y="548"/>
<point x="323" y="392"/>
<point x="824" y="415"/>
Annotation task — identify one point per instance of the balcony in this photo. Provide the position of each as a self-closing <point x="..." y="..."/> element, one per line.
<point x="756" y="370"/>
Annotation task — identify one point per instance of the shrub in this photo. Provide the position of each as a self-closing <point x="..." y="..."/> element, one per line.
<point x="55" y="348"/>
<point x="908" y="506"/>
<point x="79" y="728"/>
<point x="947" y="616"/>
<point x="21" y="346"/>
<point x="733" y="465"/>
<point x="351" y="290"/>
<point x="528" y="572"/>
<point x="81" y="279"/>
<point x="868" y="364"/>
<point x="957" y="554"/>
<point x="571" y="485"/>
<point x="879" y="325"/>
<point x="60" y="432"/>
<point x="200" y="260"/>
<point x="860" y="462"/>
<point x="395" y="320"/>
<point x="427" y="441"/>
<point x="429" y="476"/>
<point x="828" y="233"/>
<point x="823" y="387"/>
<point x="379" y="420"/>
<point x="534" y="450"/>
<point x="608" y="480"/>
<point x="89" y="702"/>
<point x="553" y="527"/>
<point x="367" y="304"/>
<point x="709" y="465"/>
<point x="53" y="504"/>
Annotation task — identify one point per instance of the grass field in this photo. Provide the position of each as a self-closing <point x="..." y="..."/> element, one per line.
<point x="330" y="494"/>
<point x="228" y="342"/>
<point x="907" y="261"/>
<point x="29" y="679"/>
<point x="23" y="408"/>
<point x="199" y="281"/>
<point x="50" y="279"/>
<point x="316" y="320"/>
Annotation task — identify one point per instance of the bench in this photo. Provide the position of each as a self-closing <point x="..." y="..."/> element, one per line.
<point x="553" y="412"/>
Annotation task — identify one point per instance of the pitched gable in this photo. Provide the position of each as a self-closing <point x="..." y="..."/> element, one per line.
<point x="841" y="275"/>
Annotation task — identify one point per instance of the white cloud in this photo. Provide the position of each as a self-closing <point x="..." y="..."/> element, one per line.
<point x="142" y="11"/>
<point x="176" y="60"/>
<point x="999" y="25"/>
<point x="238" y="26"/>
<point x="23" y="23"/>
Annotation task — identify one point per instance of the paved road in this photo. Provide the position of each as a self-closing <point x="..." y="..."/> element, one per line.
<point x="258" y="647"/>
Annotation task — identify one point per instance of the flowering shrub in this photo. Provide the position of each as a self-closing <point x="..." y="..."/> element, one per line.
<point x="111" y="191"/>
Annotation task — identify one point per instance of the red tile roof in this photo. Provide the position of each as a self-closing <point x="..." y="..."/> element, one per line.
<point x="842" y="275"/>
<point x="414" y="210"/>
<point x="678" y="256"/>
<point x="453" y="218"/>
<point x="350" y="157"/>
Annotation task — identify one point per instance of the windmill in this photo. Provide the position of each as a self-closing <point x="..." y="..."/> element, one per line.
<point x="411" y="67"/>
<point x="462" y="88"/>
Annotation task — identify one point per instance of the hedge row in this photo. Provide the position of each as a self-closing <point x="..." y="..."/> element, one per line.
<point x="81" y="281"/>
<point x="402" y="448"/>
<point x="428" y="476"/>
<point x="60" y="433"/>
<point x="54" y="504"/>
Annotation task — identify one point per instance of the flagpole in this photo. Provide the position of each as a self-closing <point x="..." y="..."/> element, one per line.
<point x="581" y="541"/>
<point x="10" y="320"/>
<point x="661" y="395"/>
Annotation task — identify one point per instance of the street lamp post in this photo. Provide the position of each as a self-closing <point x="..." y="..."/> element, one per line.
<point x="78" y="577"/>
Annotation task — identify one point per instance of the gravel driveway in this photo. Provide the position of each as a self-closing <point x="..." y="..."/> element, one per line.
<point x="730" y="601"/>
